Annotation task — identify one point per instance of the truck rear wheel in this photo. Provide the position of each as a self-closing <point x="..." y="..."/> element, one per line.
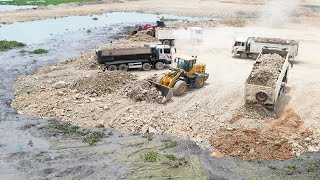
<point x="123" y="67"/>
<point x="146" y="66"/>
<point x="159" y="65"/>
<point x="112" y="68"/>
<point x="179" y="88"/>
<point x="166" y="42"/>
<point x="254" y="56"/>
<point x="173" y="42"/>
<point x="243" y="55"/>
<point x="199" y="82"/>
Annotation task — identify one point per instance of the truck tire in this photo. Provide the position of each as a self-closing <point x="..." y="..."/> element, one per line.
<point x="199" y="83"/>
<point x="179" y="88"/>
<point x="159" y="65"/>
<point x="112" y="68"/>
<point x="146" y="66"/>
<point x="243" y="55"/>
<point x="150" y="33"/>
<point x="262" y="96"/>
<point x="254" y="56"/>
<point x="166" y="42"/>
<point x="173" y="42"/>
<point x="123" y="67"/>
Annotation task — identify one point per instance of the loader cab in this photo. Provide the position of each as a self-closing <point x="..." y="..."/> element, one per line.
<point x="185" y="63"/>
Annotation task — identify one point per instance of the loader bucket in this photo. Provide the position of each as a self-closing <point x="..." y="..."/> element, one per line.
<point x="167" y="92"/>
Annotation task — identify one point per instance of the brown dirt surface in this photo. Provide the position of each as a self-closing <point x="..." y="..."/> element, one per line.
<point x="273" y="142"/>
<point x="266" y="70"/>
<point x="143" y="37"/>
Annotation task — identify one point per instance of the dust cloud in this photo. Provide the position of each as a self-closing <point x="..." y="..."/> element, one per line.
<point x="277" y="12"/>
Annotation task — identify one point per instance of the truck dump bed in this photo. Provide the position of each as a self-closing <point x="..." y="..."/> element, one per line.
<point x="128" y="55"/>
<point x="275" y="41"/>
<point x="122" y="52"/>
<point x="267" y="77"/>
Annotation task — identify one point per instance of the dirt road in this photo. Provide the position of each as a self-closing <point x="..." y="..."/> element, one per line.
<point x="203" y="8"/>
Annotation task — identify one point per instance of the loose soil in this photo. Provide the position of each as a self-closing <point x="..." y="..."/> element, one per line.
<point x="274" y="141"/>
<point x="266" y="70"/>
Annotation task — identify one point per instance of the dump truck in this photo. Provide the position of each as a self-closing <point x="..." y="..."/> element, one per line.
<point x="187" y="73"/>
<point x="252" y="46"/>
<point x="168" y="36"/>
<point x="142" y="58"/>
<point x="268" y="78"/>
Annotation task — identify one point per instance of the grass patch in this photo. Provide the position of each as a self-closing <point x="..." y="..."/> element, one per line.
<point x="95" y="18"/>
<point x="39" y="51"/>
<point x="292" y="166"/>
<point x="36" y="3"/>
<point x="272" y="167"/>
<point x="88" y="31"/>
<point x="67" y="128"/>
<point x="175" y="161"/>
<point x="169" y="144"/>
<point x="93" y="138"/>
<point x="167" y="19"/>
<point x="312" y="168"/>
<point x="30" y="143"/>
<point x="151" y="156"/>
<point x="7" y="45"/>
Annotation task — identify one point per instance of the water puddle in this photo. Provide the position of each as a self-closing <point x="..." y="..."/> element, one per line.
<point x="14" y="7"/>
<point x="37" y="31"/>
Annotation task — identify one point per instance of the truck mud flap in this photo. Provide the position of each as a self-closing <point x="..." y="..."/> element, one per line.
<point x="167" y="92"/>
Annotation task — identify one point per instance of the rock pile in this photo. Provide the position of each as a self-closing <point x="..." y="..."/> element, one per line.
<point x="266" y="70"/>
<point x="143" y="37"/>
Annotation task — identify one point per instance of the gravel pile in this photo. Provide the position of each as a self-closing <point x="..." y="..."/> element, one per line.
<point x="272" y="40"/>
<point x="266" y="70"/>
<point x="143" y="37"/>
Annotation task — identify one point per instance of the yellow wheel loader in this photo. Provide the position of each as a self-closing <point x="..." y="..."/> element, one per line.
<point x="185" y="73"/>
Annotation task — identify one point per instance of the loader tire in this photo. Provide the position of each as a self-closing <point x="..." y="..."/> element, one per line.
<point x="112" y="68"/>
<point x="199" y="83"/>
<point x="159" y="65"/>
<point x="179" y="88"/>
<point x="146" y="66"/>
<point x="150" y="33"/>
<point x="123" y="67"/>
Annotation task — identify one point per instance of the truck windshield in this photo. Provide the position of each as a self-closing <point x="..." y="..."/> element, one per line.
<point x="167" y="51"/>
<point x="238" y="44"/>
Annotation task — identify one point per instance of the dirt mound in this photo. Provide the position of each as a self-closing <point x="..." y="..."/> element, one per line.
<point x="125" y="44"/>
<point x="282" y="138"/>
<point x="103" y="83"/>
<point x="143" y="37"/>
<point x="266" y="70"/>
<point x="143" y="91"/>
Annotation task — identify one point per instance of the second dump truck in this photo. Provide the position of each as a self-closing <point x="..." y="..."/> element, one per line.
<point x="142" y="58"/>
<point x="252" y="46"/>
<point x="268" y="78"/>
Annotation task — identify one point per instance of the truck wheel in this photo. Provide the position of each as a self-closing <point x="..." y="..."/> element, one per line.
<point x="254" y="56"/>
<point x="243" y="55"/>
<point x="166" y="42"/>
<point x="262" y="96"/>
<point x="159" y="65"/>
<point x="146" y="66"/>
<point x="112" y="68"/>
<point x="173" y="43"/>
<point x="123" y="67"/>
<point x="150" y="33"/>
<point x="179" y="88"/>
<point x="199" y="82"/>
